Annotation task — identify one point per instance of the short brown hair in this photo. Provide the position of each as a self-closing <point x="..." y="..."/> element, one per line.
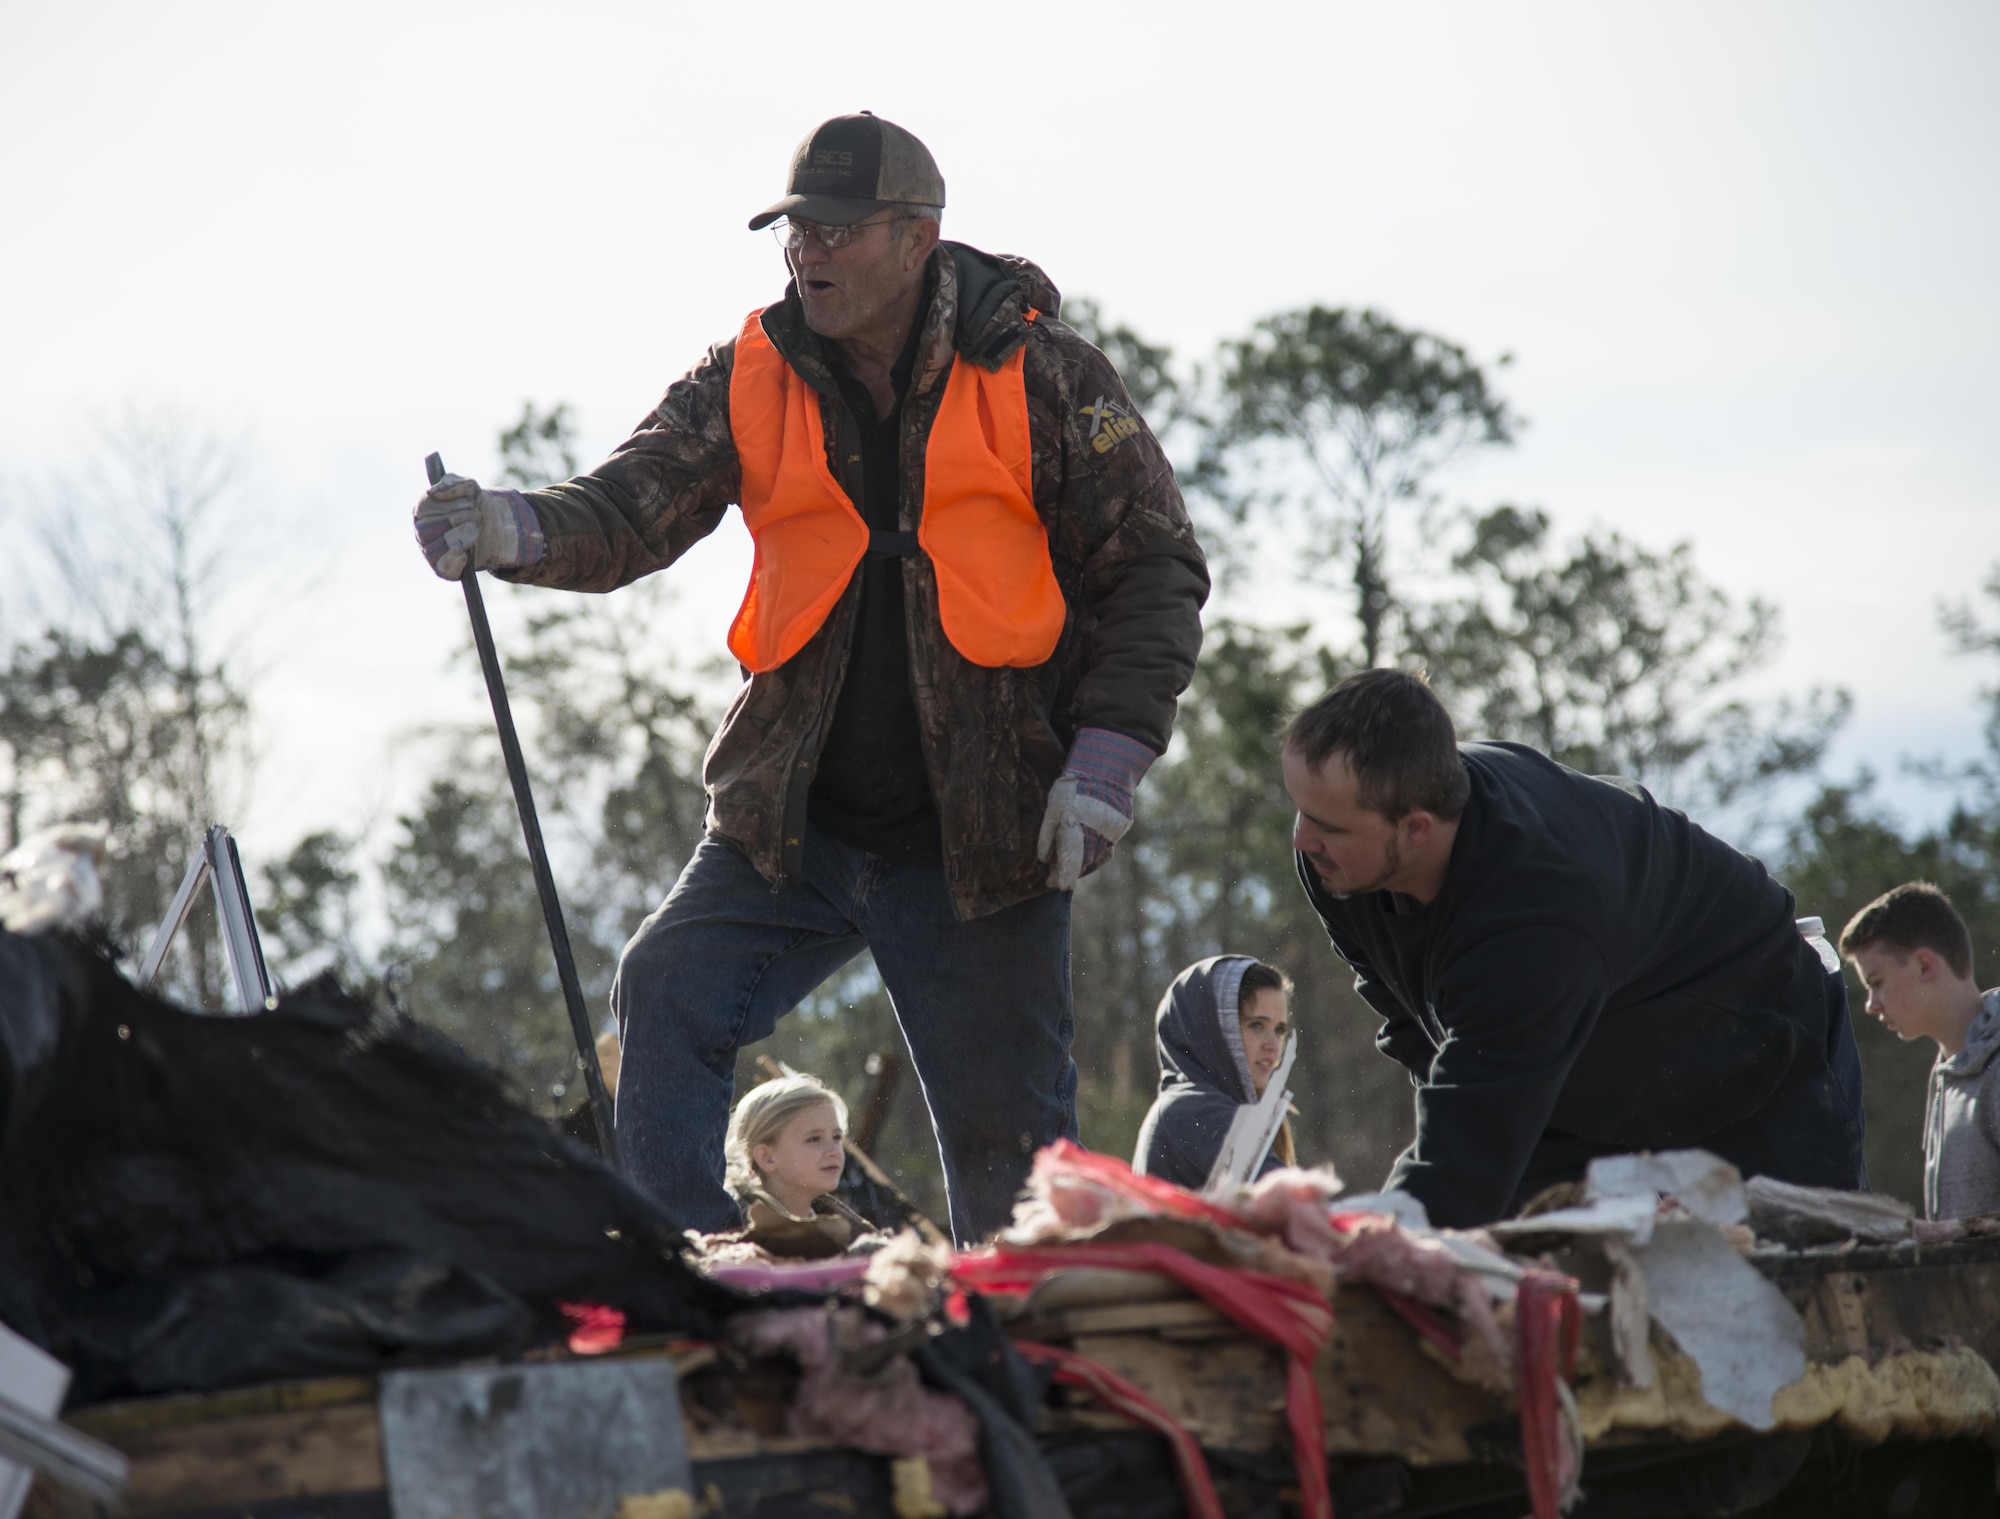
<point x="1913" y="916"/>
<point x="1259" y="977"/>
<point x="1396" y="737"/>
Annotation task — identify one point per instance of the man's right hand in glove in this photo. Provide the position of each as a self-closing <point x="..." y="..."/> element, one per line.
<point x="461" y="524"/>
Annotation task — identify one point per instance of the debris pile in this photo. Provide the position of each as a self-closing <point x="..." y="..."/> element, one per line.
<point x="198" y="1203"/>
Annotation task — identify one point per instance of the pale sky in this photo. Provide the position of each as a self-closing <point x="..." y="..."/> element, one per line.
<point x="1743" y="254"/>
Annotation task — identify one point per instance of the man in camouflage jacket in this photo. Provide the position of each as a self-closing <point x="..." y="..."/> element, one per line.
<point x="960" y="887"/>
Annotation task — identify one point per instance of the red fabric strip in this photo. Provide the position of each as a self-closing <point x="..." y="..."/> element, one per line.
<point x="1546" y="1323"/>
<point x="1120" y="1396"/>
<point x="1287" y="1313"/>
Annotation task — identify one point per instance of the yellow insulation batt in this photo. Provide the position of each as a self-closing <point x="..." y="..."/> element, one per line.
<point x="1914" y="1394"/>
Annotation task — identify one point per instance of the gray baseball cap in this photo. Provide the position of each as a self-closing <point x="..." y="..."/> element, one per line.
<point x="852" y="166"/>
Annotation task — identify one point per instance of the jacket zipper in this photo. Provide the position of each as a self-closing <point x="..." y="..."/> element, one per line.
<point x="805" y="759"/>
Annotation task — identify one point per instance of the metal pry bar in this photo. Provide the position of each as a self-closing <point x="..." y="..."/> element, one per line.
<point x="538" y="856"/>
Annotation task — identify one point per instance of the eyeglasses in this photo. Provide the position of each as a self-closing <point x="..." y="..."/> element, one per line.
<point x="792" y="233"/>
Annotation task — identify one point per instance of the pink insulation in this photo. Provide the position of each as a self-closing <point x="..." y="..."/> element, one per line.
<point x="885" y="1410"/>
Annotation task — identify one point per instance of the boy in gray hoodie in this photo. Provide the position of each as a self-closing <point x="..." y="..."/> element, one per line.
<point x="1911" y="951"/>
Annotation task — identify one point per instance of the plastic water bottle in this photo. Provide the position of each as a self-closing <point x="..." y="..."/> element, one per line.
<point x="1813" y="931"/>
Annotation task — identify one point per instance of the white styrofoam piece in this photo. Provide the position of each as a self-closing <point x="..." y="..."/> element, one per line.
<point x="1706" y="1185"/>
<point x="37" y="1381"/>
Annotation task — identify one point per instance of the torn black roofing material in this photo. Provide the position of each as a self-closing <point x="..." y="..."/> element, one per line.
<point x="195" y="1202"/>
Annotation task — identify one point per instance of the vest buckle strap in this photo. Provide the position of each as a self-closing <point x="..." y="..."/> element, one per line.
<point x="885" y="545"/>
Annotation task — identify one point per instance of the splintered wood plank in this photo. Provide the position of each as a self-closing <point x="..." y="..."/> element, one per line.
<point x="212" y="1450"/>
<point x="1187" y="1317"/>
<point x="1228" y="1390"/>
<point x="252" y="1458"/>
<point x="1383" y="1394"/>
<point x="1863" y="1301"/>
<point x="322" y="1438"/>
<point x="108" y="1421"/>
<point x="1863" y="1312"/>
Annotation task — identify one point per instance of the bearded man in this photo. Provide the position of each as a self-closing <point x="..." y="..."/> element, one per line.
<point x="1566" y="968"/>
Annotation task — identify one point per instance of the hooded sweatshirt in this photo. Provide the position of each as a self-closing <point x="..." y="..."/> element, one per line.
<point x="1204" y="1074"/>
<point x="1962" y="1123"/>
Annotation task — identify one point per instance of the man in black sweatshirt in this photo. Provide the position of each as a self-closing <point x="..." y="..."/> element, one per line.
<point x="1567" y="968"/>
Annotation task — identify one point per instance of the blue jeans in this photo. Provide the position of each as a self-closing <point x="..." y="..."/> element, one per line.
<point x="984" y="1007"/>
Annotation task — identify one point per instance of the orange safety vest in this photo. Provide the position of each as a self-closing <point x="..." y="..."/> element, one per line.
<point x="997" y="593"/>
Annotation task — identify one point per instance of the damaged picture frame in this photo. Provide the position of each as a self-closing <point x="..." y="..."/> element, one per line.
<point x="218" y="866"/>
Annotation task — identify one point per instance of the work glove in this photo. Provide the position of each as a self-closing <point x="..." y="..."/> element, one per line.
<point x="458" y="520"/>
<point x="1090" y="805"/>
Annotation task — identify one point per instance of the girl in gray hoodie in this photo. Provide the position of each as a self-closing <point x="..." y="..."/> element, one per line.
<point x="1221" y="1030"/>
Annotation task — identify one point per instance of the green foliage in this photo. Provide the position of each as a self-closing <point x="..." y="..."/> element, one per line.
<point x="1402" y="402"/>
<point x="1365" y="412"/>
<point x="620" y="734"/>
<point x="467" y="934"/>
<point x="1979" y="822"/>
<point x="116" y="710"/>
<point x="97" y="730"/>
<point x="539" y="448"/>
<point x="120" y="709"/>
<point x="1613" y="658"/>
<point x="1146" y="368"/>
<point x="84" y="725"/>
<point x="614" y="751"/>
<point x="306" y="913"/>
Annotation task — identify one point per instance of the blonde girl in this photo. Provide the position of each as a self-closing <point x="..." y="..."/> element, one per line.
<point x="784" y="1153"/>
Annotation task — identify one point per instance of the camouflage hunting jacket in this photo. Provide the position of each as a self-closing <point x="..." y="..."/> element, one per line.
<point x="1124" y="553"/>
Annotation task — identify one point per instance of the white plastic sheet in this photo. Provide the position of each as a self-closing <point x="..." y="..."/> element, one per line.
<point x="1728" y="1318"/>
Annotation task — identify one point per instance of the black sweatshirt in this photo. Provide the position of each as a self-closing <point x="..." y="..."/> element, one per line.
<point x="1596" y="975"/>
<point x="871" y="789"/>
